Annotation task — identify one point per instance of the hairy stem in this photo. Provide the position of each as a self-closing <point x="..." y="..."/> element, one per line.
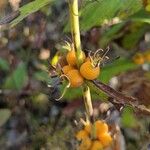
<point x="88" y="102"/>
<point x="76" y="30"/>
<point x="74" y="18"/>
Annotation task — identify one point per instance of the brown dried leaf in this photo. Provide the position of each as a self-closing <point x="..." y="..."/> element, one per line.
<point x="119" y="97"/>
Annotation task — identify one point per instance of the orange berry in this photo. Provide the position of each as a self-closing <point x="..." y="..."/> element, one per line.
<point x="88" y="71"/>
<point x="138" y="59"/>
<point x="105" y="139"/>
<point x="97" y="145"/>
<point x="75" y="78"/>
<point x="101" y="127"/>
<point x="87" y="59"/>
<point x="85" y="144"/>
<point x="88" y="128"/>
<point x="71" y="58"/>
<point x="67" y="68"/>
<point x="147" y="56"/>
<point x="82" y="134"/>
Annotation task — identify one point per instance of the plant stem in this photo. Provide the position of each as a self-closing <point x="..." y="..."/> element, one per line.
<point x="74" y="18"/>
<point x="88" y="102"/>
<point x="76" y="30"/>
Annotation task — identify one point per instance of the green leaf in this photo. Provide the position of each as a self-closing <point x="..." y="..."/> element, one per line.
<point x="96" y="13"/>
<point x="130" y="40"/>
<point x="73" y="93"/>
<point x="28" y="9"/>
<point x="111" y="33"/>
<point x="118" y="66"/>
<point x="129" y="7"/>
<point x="128" y="119"/>
<point x="17" y="79"/>
<point x="42" y="76"/>
<point x="4" y="116"/>
<point x="141" y="16"/>
<point x="4" y="64"/>
<point x="40" y="101"/>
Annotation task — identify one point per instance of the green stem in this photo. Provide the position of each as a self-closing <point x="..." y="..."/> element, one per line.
<point x="88" y="102"/>
<point x="74" y="18"/>
<point x="76" y="31"/>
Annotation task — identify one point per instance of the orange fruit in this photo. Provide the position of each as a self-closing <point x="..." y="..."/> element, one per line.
<point x="88" y="128"/>
<point x="85" y="144"/>
<point x="88" y="71"/>
<point x="138" y="59"/>
<point x="101" y="127"/>
<point x="71" y="57"/>
<point x="105" y="139"/>
<point x="82" y="134"/>
<point x="75" y="78"/>
<point x="67" y="68"/>
<point x="147" y="56"/>
<point x="97" y="145"/>
<point x="87" y="59"/>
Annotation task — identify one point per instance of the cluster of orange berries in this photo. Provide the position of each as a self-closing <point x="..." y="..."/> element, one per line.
<point x="146" y="4"/>
<point x="94" y="136"/>
<point x="86" y="71"/>
<point x="141" y="58"/>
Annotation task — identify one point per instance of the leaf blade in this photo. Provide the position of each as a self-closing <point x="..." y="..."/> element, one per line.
<point x="28" y="9"/>
<point x="4" y="116"/>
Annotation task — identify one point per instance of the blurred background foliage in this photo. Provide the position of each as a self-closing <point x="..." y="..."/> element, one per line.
<point x="30" y="118"/>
